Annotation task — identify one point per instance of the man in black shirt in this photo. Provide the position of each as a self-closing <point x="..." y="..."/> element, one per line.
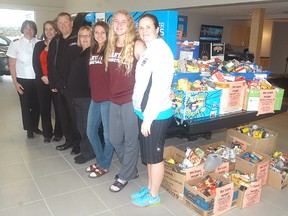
<point x="59" y="59"/>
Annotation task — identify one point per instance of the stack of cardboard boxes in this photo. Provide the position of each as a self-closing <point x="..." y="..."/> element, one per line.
<point x="221" y="97"/>
<point x="183" y="184"/>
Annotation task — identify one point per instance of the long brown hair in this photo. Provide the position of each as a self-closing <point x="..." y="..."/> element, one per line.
<point x="94" y="44"/>
<point x="53" y="24"/>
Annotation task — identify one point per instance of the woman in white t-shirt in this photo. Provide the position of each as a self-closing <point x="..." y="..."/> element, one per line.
<point x="23" y="76"/>
<point x="154" y="74"/>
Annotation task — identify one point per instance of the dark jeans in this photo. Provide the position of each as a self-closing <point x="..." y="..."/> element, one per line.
<point x="81" y="107"/>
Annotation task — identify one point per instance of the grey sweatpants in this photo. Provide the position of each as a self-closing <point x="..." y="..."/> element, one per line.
<point x="123" y="134"/>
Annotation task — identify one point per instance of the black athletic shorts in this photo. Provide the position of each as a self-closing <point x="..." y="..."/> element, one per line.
<point x="152" y="147"/>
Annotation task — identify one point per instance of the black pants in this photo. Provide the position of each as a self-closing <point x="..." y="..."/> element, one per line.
<point x="45" y="96"/>
<point x="68" y="118"/>
<point x="29" y="104"/>
<point x="81" y="107"/>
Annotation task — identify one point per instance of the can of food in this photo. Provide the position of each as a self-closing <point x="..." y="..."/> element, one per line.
<point x="244" y="130"/>
<point x="257" y="134"/>
<point x="276" y="154"/>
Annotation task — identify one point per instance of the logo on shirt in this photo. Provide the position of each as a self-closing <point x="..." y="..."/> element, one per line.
<point x="115" y="57"/>
<point x="73" y="44"/>
<point x="95" y="60"/>
<point x="144" y="61"/>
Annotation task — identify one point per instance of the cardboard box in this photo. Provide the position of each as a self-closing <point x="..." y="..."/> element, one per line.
<point x="260" y="170"/>
<point x="264" y="145"/>
<point x="252" y="75"/>
<point x="190" y="76"/>
<point x="195" y="105"/>
<point x="232" y="96"/>
<point x="196" y="208"/>
<point x="175" y="176"/>
<point x="227" y="166"/>
<point x="200" y="211"/>
<point x="277" y="180"/>
<point x="249" y="196"/>
<point x="252" y="98"/>
<point x="186" y="49"/>
<point x="219" y="203"/>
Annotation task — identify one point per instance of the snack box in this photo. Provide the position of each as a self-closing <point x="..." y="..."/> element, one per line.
<point x="265" y="145"/>
<point x="174" y="175"/>
<point x="196" y="104"/>
<point x="249" y="196"/>
<point x="223" y="200"/>
<point x="277" y="180"/>
<point x="227" y="166"/>
<point x="260" y="169"/>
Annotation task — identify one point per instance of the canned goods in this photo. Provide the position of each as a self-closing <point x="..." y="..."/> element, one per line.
<point x="244" y="130"/>
<point x="212" y="190"/>
<point x="258" y="134"/>
<point x="276" y="154"/>
<point x="208" y="181"/>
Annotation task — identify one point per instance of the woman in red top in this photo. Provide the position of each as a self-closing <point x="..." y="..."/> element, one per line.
<point x="45" y="94"/>
<point x="100" y="102"/>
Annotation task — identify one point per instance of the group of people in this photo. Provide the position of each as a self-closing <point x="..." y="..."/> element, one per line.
<point x="113" y="76"/>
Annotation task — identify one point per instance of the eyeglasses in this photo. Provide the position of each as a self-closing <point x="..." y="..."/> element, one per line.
<point x="84" y="36"/>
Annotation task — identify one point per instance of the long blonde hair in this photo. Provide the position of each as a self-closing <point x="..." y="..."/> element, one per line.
<point x="127" y="52"/>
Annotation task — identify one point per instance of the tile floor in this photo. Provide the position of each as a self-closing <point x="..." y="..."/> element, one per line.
<point x="37" y="180"/>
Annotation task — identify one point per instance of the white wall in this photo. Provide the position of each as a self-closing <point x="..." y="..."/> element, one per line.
<point x="279" y="47"/>
<point x="195" y="21"/>
<point x="42" y="16"/>
<point x="132" y="5"/>
<point x="48" y="10"/>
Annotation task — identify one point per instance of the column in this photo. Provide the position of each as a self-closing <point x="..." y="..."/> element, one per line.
<point x="256" y="32"/>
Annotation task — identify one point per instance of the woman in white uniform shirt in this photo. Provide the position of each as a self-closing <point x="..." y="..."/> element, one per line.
<point x="154" y="74"/>
<point x="23" y="76"/>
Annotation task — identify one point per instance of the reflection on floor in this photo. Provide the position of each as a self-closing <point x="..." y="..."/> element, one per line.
<point x="38" y="180"/>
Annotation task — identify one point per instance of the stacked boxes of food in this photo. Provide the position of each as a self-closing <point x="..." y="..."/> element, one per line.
<point x="255" y="163"/>
<point x="253" y="138"/>
<point x="278" y="170"/>
<point x="211" y="194"/>
<point x="179" y="166"/>
<point x="223" y="150"/>
<point x="212" y="88"/>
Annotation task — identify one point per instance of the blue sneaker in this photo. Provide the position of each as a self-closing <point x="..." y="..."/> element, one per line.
<point x="147" y="200"/>
<point x="139" y="194"/>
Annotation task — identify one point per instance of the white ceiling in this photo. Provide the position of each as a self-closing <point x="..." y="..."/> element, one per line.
<point x="274" y="9"/>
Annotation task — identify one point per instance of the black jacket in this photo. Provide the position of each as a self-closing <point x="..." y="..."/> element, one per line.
<point x="39" y="47"/>
<point x="78" y="80"/>
<point x="59" y="60"/>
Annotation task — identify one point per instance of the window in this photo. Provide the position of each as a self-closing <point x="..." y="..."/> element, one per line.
<point x="11" y="21"/>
